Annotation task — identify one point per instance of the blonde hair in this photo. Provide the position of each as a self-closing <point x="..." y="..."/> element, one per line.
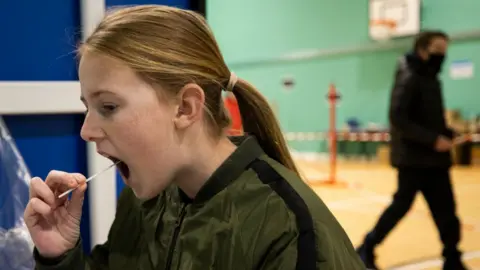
<point x="172" y="47"/>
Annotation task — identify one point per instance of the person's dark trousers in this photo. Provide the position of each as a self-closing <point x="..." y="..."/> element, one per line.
<point x="435" y="185"/>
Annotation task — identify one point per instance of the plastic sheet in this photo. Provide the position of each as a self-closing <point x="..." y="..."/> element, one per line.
<point x="16" y="246"/>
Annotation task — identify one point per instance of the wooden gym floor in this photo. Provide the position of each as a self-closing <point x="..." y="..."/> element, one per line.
<point x="414" y="243"/>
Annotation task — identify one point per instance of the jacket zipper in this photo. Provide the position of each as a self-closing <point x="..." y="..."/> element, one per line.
<point x="173" y="243"/>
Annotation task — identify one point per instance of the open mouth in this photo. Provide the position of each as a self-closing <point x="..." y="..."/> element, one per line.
<point x="121" y="166"/>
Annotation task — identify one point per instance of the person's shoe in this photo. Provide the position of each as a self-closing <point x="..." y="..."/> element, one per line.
<point x="454" y="264"/>
<point x="366" y="255"/>
<point x="453" y="259"/>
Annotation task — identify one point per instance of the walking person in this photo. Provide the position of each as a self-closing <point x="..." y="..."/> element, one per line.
<point x="420" y="149"/>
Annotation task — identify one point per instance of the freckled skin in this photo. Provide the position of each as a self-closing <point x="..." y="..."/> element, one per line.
<point x="139" y="131"/>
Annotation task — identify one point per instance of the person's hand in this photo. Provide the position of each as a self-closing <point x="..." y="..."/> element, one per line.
<point x="461" y="139"/>
<point x="443" y="144"/>
<point x="53" y="223"/>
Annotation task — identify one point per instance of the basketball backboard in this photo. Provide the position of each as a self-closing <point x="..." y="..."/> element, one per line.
<point x="404" y="14"/>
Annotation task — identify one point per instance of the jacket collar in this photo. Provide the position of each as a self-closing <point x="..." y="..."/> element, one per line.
<point x="418" y="65"/>
<point x="247" y="151"/>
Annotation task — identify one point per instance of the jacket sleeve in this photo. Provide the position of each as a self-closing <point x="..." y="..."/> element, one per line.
<point x="401" y="100"/>
<point x="284" y="255"/>
<point x="76" y="259"/>
<point x="450" y="133"/>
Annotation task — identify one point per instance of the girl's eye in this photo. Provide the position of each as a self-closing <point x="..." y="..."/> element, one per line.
<point x="107" y="109"/>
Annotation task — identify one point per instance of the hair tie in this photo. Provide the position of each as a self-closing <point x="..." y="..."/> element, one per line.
<point x="231" y="82"/>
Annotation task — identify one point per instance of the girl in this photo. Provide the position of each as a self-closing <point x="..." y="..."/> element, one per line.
<point x="151" y="79"/>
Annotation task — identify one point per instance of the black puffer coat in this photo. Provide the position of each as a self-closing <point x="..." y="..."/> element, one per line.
<point x="417" y="116"/>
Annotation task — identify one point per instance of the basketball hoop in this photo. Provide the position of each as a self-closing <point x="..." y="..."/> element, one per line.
<point x="382" y="30"/>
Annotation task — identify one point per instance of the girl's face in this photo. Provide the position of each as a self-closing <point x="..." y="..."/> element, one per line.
<point x="128" y="121"/>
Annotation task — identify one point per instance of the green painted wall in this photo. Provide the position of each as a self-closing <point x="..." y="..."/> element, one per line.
<point x="257" y="30"/>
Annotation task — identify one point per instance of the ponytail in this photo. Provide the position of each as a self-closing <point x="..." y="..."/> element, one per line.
<point x="258" y="119"/>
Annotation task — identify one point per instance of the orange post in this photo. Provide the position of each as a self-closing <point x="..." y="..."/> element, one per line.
<point x="333" y="96"/>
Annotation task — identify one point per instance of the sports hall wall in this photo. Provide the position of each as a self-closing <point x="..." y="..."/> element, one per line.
<point x="37" y="44"/>
<point x="255" y="34"/>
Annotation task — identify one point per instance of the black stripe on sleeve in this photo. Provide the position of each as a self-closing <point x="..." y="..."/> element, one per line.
<point x="306" y="249"/>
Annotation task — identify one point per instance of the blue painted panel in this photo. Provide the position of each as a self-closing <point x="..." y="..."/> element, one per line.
<point x="49" y="142"/>
<point x="38" y="38"/>
<point x="120" y="184"/>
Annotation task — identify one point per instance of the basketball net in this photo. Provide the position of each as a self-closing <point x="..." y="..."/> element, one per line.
<point x="382" y="30"/>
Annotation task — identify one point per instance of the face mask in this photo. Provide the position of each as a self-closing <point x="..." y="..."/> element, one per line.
<point x="435" y="61"/>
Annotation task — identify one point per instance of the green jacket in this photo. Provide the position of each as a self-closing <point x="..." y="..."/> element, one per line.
<point x="253" y="213"/>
